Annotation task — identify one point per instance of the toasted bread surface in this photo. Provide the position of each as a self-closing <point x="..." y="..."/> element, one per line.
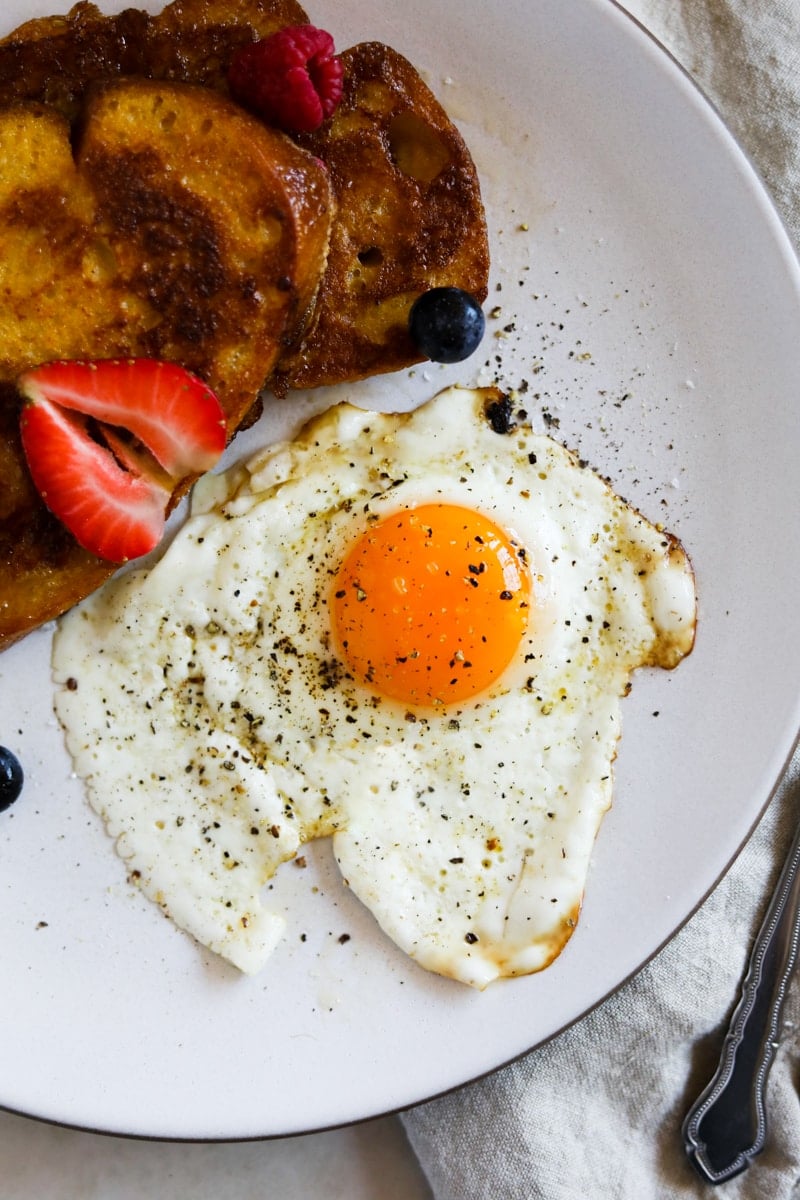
<point x="172" y="233"/>
<point x="410" y="217"/>
<point x="58" y="60"/>
<point x="54" y="59"/>
<point x="208" y="211"/>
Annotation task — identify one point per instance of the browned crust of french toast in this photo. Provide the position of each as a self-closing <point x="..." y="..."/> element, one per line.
<point x="243" y="170"/>
<point x="400" y="229"/>
<point x="410" y="217"/>
<point x="54" y="59"/>
<point x="173" y="234"/>
<point x="57" y="60"/>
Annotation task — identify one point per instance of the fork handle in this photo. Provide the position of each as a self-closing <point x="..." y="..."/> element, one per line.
<point x="726" y="1127"/>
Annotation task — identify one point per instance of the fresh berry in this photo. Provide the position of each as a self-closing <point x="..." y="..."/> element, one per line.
<point x="110" y="511"/>
<point x="11" y="778"/>
<point x="446" y="324"/>
<point x="111" y="490"/>
<point x="175" y="414"/>
<point x="291" y="79"/>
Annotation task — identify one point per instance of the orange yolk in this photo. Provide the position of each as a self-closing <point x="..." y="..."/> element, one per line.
<point x="430" y="604"/>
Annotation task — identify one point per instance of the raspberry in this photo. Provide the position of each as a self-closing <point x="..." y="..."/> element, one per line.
<point x="291" y="79"/>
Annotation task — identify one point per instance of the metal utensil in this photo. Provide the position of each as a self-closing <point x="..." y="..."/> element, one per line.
<point x="726" y="1127"/>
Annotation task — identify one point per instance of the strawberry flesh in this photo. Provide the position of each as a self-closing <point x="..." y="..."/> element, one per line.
<point x="110" y="492"/>
<point x="174" y="413"/>
<point x="110" y="511"/>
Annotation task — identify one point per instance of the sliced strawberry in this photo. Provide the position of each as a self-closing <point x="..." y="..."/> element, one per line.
<point x="110" y="492"/>
<point x="134" y="457"/>
<point x="111" y="512"/>
<point x="174" y="413"/>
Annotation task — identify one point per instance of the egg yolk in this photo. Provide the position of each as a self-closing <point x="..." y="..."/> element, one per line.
<point x="430" y="604"/>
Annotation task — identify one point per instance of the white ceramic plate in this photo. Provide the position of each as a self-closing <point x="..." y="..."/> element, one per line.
<point x="655" y="308"/>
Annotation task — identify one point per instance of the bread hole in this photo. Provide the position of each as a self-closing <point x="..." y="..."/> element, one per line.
<point x="169" y="120"/>
<point x="207" y="126"/>
<point x="370" y="256"/>
<point x="416" y="147"/>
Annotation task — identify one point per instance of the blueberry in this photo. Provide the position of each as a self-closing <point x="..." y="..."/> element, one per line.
<point x="11" y="778"/>
<point x="446" y="324"/>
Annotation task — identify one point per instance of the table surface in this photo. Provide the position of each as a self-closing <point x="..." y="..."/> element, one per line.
<point x="361" y="1162"/>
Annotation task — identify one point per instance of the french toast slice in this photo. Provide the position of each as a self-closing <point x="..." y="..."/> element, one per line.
<point x="54" y="59"/>
<point x="180" y="228"/>
<point x="409" y="217"/>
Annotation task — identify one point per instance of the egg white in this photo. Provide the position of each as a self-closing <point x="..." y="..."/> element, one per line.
<point x="217" y="731"/>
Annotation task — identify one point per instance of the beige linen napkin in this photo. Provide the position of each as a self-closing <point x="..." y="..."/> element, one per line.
<point x="596" y="1113"/>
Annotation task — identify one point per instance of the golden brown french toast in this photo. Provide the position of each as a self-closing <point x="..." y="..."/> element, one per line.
<point x="54" y="59"/>
<point x="180" y="228"/>
<point x="410" y="217"/>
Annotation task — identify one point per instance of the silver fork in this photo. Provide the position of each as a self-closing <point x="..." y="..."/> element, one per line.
<point x="726" y="1127"/>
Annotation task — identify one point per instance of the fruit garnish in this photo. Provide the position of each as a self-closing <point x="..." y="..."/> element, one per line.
<point x="107" y="441"/>
<point x="291" y="79"/>
<point x="11" y="778"/>
<point x="446" y="324"/>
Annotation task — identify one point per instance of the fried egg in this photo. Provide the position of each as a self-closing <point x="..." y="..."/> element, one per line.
<point x="410" y="633"/>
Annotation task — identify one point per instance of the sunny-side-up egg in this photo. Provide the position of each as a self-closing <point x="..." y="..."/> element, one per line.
<point x="410" y="632"/>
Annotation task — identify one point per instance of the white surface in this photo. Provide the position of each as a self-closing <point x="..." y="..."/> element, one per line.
<point x="367" y="1162"/>
<point x="650" y="248"/>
